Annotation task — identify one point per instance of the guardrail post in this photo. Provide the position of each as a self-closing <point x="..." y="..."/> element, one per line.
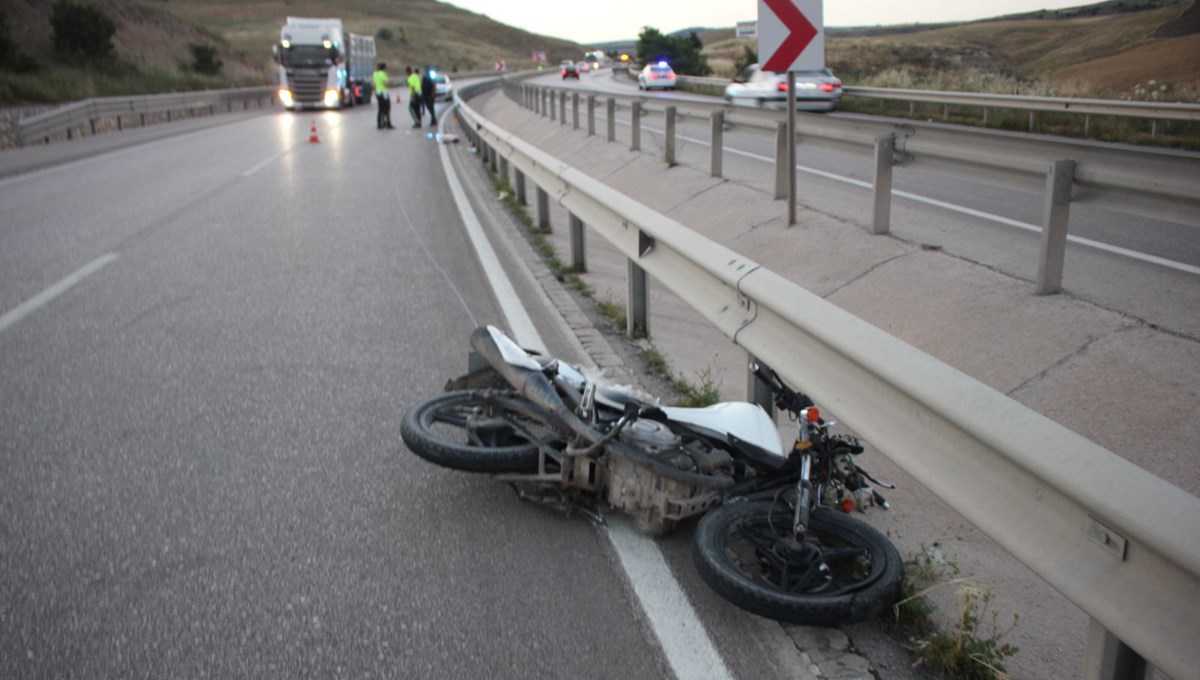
<point x="718" y="142"/>
<point x="553" y="108"/>
<point x="562" y="108"/>
<point x="637" y="320"/>
<point x="611" y="110"/>
<point x="885" y="148"/>
<point x="591" y="114"/>
<point x="669" y="142"/>
<point x="519" y="181"/>
<point x="543" y="209"/>
<point x="578" y="244"/>
<point x="1106" y="657"/>
<point x="1059" y="181"/>
<point x="757" y="392"/>
<point x="781" y="154"/>
<point x="636" y="130"/>
<point x="574" y="110"/>
<point x="504" y="168"/>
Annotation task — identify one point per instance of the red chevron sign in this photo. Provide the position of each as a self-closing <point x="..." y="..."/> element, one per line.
<point x="790" y="35"/>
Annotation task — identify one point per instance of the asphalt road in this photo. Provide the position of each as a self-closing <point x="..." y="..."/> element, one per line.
<point x="200" y="467"/>
<point x="208" y="338"/>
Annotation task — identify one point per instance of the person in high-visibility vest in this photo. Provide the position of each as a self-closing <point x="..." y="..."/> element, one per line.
<point x="414" y="95"/>
<point x="383" y="118"/>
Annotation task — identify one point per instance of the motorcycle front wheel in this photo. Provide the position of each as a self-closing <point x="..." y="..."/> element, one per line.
<point x="475" y="431"/>
<point x="843" y="572"/>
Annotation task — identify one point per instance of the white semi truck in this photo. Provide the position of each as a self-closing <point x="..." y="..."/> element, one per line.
<point x="321" y="66"/>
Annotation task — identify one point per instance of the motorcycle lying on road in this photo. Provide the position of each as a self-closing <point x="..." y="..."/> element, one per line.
<point x="776" y="537"/>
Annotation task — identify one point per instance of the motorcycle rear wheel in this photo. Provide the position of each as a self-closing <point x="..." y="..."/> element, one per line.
<point x="472" y="432"/>
<point x="844" y="572"/>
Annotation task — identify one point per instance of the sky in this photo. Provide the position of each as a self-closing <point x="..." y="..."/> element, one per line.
<point x="608" y="20"/>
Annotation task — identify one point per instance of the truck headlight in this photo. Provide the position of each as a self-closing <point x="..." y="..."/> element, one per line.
<point x="332" y="98"/>
<point x="285" y="98"/>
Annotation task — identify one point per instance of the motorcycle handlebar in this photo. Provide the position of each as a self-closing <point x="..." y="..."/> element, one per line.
<point x="785" y="397"/>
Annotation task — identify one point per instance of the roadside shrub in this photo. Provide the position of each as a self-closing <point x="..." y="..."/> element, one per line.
<point x="748" y="56"/>
<point x="204" y="59"/>
<point x="82" y="30"/>
<point x="11" y="57"/>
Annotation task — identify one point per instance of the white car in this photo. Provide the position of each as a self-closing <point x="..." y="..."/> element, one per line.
<point x="815" y="90"/>
<point x="657" y="76"/>
<point x="443" y="89"/>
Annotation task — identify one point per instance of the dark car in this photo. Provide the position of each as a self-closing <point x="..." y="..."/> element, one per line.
<point x="570" y="70"/>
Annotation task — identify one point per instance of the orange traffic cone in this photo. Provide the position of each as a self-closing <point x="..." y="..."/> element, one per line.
<point x="312" y="134"/>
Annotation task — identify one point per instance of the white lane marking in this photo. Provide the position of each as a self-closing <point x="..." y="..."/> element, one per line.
<point x="267" y="162"/>
<point x="978" y="214"/>
<point x="686" y="644"/>
<point x="41" y="299"/>
<point x="519" y="323"/>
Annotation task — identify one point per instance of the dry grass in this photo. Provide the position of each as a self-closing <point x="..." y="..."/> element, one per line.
<point x="1096" y="56"/>
<point x="153" y="36"/>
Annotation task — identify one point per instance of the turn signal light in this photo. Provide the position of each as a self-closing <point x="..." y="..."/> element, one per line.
<point x="813" y="414"/>
<point x="847" y="505"/>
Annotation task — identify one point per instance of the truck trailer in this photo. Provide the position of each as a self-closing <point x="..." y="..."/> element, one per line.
<point x="322" y="66"/>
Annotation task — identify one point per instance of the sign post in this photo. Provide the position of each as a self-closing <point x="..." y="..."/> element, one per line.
<point x="791" y="37"/>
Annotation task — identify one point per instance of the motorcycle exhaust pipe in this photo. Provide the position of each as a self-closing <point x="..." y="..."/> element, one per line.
<point x="525" y="375"/>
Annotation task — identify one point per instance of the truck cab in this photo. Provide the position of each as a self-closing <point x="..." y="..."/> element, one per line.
<point x="323" y="66"/>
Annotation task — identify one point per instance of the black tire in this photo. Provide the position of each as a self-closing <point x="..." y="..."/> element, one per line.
<point x="740" y="548"/>
<point x="474" y="431"/>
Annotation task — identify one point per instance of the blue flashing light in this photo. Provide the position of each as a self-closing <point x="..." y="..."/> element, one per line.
<point x="663" y="63"/>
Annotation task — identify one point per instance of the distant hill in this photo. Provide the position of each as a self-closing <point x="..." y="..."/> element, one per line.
<point x="1105" y="49"/>
<point x="155" y="34"/>
<point x="410" y="32"/>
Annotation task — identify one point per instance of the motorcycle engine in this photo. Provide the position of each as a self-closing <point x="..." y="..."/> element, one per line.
<point x="652" y="437"/>
<point x="656" y="439"/>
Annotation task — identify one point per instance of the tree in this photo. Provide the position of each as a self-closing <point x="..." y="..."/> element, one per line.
<point x="749" y="56"/>
<point x="682" y="52"/>
<point x="82" y="30"/>
<point x="204" y="59"/>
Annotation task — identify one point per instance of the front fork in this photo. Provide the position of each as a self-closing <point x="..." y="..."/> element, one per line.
<point x="804" y="492"/>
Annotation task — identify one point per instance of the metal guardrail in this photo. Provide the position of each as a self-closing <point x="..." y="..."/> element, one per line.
<point x="91" y="116"/>
<point x="86" y="117"/>
<point x="1072" y="511"/>
<point x="1159" y="183"/>
<point x="1098" y="107"/>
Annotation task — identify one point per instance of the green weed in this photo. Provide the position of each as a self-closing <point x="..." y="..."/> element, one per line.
<point x="972" y="649"/>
